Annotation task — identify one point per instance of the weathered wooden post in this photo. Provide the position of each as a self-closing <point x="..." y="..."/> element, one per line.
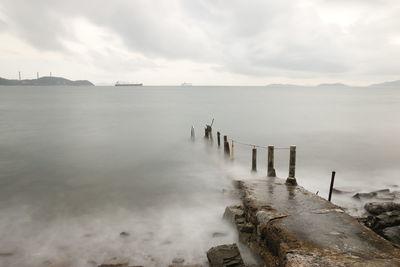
<point x="192" y="135"/>
<point x="331" y="187"/>
<point x="291" y="180"/>
<point x="232" y="150"/>
<point x="271" y="170"/>
<point x="254" y="160"/>
<point x="226" y="146"/>
<point x="208" y="132"/>
<point x="219" y="138"/>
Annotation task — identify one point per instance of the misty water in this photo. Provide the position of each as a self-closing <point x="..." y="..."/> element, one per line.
<point x="80" y="165"/>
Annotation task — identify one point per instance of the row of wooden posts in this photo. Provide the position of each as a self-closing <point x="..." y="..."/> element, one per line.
<point x="229" y="152"/>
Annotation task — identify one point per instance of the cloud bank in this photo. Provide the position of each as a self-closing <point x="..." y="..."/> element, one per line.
<point x="224" y="41"/>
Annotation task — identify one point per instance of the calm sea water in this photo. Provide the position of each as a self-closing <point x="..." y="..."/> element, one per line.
<point x="79" y="165"/>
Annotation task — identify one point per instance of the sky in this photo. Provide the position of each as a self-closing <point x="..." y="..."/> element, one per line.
<point x="204" y="42"/>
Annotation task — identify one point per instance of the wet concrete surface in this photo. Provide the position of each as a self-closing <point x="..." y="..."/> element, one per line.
<point x="296" y="227"/>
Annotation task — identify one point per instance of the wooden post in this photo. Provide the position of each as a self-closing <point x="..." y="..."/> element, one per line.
<point x="192" y="135"/>
<point x="291" y="180"/>
<point x="209" y="130"/>
<point x="226" y="146"/>
<point x="271" y="170"/>
<point x="254" y="160"/>
<point x="331" y="187"/>
<point x="219" y="138"/>
<point x="232" y="150"/>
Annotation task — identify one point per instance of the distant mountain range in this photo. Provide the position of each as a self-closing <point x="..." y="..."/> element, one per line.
<point x="46" y="81"/>
<point x="384" y="84"/>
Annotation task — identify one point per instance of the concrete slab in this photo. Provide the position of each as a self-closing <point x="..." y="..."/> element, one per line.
<point x="294" y="227"/>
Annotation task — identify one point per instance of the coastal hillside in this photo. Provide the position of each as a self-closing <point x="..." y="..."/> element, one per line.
<point x="46" y="81"/>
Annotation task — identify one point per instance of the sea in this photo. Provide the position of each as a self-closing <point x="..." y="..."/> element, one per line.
<point x="81" y="165"/>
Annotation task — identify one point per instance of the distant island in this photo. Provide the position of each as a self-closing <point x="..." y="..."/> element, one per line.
<point x="46" y="81"/>
<point x="384" y="84"/>
<point x="393" y="83"/>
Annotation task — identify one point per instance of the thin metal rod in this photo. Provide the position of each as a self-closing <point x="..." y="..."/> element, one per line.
<point x="331" y="187"/>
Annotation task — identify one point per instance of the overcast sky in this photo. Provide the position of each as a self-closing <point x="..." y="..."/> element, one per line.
<point x="231" y="42"/>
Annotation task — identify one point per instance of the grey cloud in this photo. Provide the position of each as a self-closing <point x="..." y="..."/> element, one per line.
<point x="256" y="37"/>
<point x="35" y="23"/>
<point x="3" y="25"/>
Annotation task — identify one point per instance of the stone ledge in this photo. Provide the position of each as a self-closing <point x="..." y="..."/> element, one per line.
<point x="289" y="226"/>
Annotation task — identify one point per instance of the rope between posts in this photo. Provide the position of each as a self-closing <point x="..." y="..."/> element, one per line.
<point x="254" y="145"/>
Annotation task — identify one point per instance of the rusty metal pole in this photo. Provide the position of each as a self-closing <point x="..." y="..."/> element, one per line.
<point x="331" y="187"/>
<point x="254" y="160"/>
<point x="271" y="170"/>
<point x="291" y="180"/>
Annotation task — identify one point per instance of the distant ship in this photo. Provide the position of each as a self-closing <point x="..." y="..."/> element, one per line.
<point x="186" y="84"/>
<point x="128" y="84"/>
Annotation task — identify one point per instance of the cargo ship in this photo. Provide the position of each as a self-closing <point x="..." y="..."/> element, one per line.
<point x="128" y="84"/>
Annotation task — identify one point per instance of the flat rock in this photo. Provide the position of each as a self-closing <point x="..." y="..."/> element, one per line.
<point x="186" y="265"/>
<point x="64" y="263"/>
<point x="115" y="262"/>
<point x="178" y="260"/>
<point x="383" y="194"/>
<point x="224" y="256"/>
<point x="365" y="195"/>
<point x="6" y="253"/>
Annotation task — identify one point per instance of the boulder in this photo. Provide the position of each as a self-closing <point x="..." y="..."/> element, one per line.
<point x="219" y="234"/>
<point x="225" y="256"/>
<point x="123" y="234"/>
<point x="376" y="208"/>
<point x="233" y="213"/>
<point x="392" y="234"/>
<point x="388" y="219"/>
<point x="382" y="221"/>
